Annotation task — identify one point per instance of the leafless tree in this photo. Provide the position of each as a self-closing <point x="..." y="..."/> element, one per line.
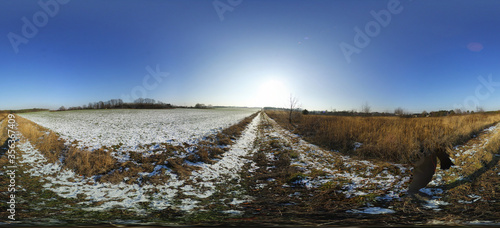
<point x="479" y="109"/>
<point x="293" y="105"/>
<point x="365" y="108"/>
<point x="100" y="105"/>
<point x="399" y="111"/>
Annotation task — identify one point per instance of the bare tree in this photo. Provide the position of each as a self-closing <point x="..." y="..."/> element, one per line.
<point x="399" y="111"/>
<point x="365" y="108"/>
<point x="293" y="105"/>
<point x="479" y="109"/>
<point x="100" y="105"/>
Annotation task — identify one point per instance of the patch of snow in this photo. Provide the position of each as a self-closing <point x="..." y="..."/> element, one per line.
<point x="482" y="223"/>
<point x="233" y="212"/>
<point x="434" y="204"/>
<point x="357" y="145"/>
<point x="473" y="197"/>
<point x="372" y="211"/>
<point x="432" y="191"/>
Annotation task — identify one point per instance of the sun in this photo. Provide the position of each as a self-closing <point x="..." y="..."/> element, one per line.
<point x="272" y="93"/>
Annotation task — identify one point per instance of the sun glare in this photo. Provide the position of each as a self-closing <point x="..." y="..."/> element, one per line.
<point x="272" y="93"/>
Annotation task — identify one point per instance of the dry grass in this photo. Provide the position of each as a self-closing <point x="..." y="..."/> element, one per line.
<point x="480" y="172"/>
<point x="2" y="116"/>
<point x="89" y="163"/>
<point x="46" y="141"/>
<point x="391" y="139"/>
<point x="3" y="131"/>
<point x="494" y="143"/>
<point x="3" y="142"/>
<point x="52" y="147"/>
<point x="180" y="167"/>
<point x="127" y="172"/>
<point x="213" y="147"/>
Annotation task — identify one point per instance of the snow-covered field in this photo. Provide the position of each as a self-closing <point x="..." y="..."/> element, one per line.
<point x="132" y="128"/>
<point x="200" y="185"/>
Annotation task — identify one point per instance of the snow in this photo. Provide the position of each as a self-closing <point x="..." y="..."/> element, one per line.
<point x="135" y="128"/>
<point x="233" y="212"/>
<point x="483" y="223"/>
<point x="431" y="191"/>
<point x="202" y="183"/>
<point x="473" y="197"/>
<point x="359" y="180"/>
<point x="357" y="145"/>
<point x="372" y="211"/>
<point x="227" y="168"/>
<point x="434" y="204"/>
<point x="67" y="184"/>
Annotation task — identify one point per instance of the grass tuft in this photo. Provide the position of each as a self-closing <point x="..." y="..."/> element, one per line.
<point x="88" y="163"/>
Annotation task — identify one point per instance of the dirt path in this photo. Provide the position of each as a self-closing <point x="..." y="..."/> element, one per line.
<point x="297" y="182"/>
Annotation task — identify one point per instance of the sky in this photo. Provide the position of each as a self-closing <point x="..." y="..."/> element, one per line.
<point x="329" y="54"/>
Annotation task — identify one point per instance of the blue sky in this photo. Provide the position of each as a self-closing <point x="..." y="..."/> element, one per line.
<point x="429" y="55"/>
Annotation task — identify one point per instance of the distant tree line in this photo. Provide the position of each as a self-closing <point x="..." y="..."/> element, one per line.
<point x="24" y="110"/>
<point x="140" y="103"/>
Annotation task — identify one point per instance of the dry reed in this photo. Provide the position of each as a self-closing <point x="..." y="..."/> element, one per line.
<point x="46" y="141"/>
<point x="393" y="139"/>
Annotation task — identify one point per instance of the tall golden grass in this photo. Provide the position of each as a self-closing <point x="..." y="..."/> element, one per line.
<point x="46" y="141"/>
<point x="392" y="139"/>
<point x="2" y="115"/>
<point x="3" y="131"/>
